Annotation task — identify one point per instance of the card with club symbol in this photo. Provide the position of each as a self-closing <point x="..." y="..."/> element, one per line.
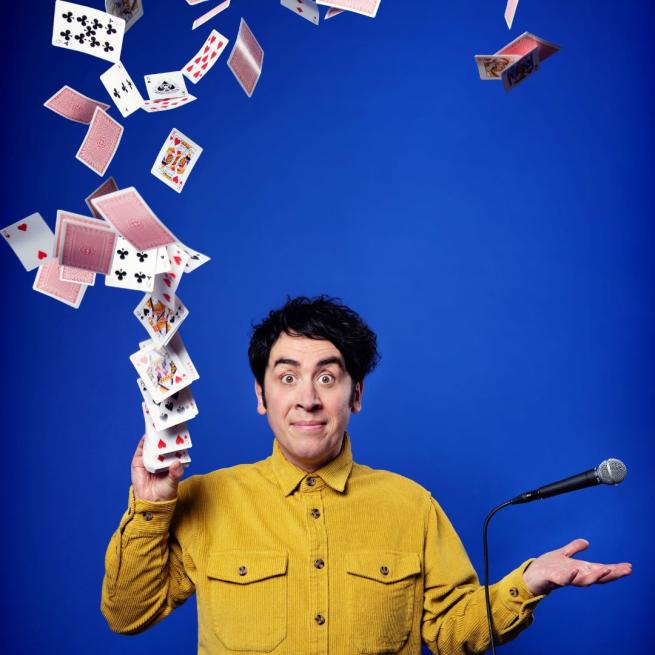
<point x="121" y="89"/>
<point x="132" y="268"/>
<point x="170" y="412"/>
<point x="129" y="10"/>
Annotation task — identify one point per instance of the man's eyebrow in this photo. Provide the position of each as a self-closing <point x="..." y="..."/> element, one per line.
<point x="286" y="361"/>
<point x="331" y="360"/>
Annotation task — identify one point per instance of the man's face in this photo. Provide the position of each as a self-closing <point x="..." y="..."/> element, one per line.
<point x="309" y="398"/>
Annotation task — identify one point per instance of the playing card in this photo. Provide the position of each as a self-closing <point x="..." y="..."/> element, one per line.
<point x="164" y="104"/>
<point x="176" y="160"/>
<point x="176" y="347"/>
<point x="31" y="240"/>
<point x="491" y="67"/>
<point x="521" y="69"/>
<point x="331" y="12"/>
<point x="64" y="217"/>
<point x="155" y="463"/>
<point x="133" y="219"/>
<point x="195" y="2"/>
<point x="201" y="63"/>
<point x="510" y="10"/>
<point x="87" y="30"/>
<point x="161" y="370"/>
<point x="210" y="14"/>
<point x="163" y="261"/>
<point x="71" y="104"/>
<point x="196" y="259"/>
<point x="89" y="247"/>
<point x="166" y="284"/>
<point x="160" y="321"/>
<point x="365" y="7"/>
<point x="308" y="9"/>
<point x="132" y="268"/>
<point x="101" y="142"/>
<point x="246" y="59"/>
<point x="527" y="42"/>
<point x="108" y="186"/>
<point x="170" y="412"/>
<point x="129" y="10"/>
<point x="121" y="88"/>
<point x="166" y="85"/>
<point x="48" y="283"/>
<point x="169" y="440"/>
<point x="79" y="275"/>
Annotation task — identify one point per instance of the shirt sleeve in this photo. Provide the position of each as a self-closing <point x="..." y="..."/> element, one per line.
<point x="148" y="573"/>
<point x="454" y="611"/>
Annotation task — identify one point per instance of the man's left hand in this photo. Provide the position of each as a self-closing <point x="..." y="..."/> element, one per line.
<point x="557" y="569"/>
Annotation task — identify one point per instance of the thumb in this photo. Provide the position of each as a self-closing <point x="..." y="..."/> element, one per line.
<point x="175" y="472"/>
<point x="575" y="546"/>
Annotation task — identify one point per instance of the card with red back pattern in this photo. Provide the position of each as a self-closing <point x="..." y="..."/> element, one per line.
<point x="246" y="59"/>
<point x="72" y="104"/>
<point x="101" y="142"/>
<point x="47" y="282"/>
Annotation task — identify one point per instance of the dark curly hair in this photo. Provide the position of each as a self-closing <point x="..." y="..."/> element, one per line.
<point x="321" y="317"/>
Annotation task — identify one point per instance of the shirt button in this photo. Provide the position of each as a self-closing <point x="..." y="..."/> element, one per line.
<point x="243" y="570"/>
<point x="384" y="570"/>
<point x="311" y="482"/>
<point x="319" y="619"/>
<point x="319" y="563"/>
<point x="514" y="592"/>
<point x="315" y="513"/>
<point x="147" y="516"/>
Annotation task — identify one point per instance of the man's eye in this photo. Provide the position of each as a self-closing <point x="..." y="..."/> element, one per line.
<point x="288" y="379"/>
<point x="326" y="379"/>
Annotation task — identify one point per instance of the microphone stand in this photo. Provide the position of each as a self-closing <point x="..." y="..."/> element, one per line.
<point x="490" y="620"/>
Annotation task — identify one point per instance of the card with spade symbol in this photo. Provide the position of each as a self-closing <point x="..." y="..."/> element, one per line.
<point x="174" y="410"/>
<point x="175" y="160"/>
<point x="166" y="284"/>
<point x="166" y="441"/>
<point x="31" y="240"/>
<point x="160" y="321"/>
<point x="121" y="89"/>
<point x="132" y="268"/>
<point x="196" y="259"/>
<point x="166" y="85"/>
<point x="161" y="370"/>
<point x="87" y="30"/>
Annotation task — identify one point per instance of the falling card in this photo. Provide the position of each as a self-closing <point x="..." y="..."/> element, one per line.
<point x="365" y="7"/>
<point x="307" y="9"/>
<point x="31" y="240"/>
<point x="246" y="59"/>
<point x="169" y="440"/>
<point x="160" y="321"/>
<point x="48" y="282"/>
<point x="122" y="89"/>
<point x="163" y="261"/>
<point x="176" y="159"/>
<point x="166" y="284"/>
<point x="210" y="14"/>
<point x="79" y="275"/>
<point x="170" y="412"/>
<point x="71" y="104"/>
<point x="201" y="63"/>
<point x="196" y="259"/>
<point x="108" y="186"/>
<point x="155" y="463"/>
<point x="129" y="10"/>
<point x="161" y="370"/>
<point x="132" y="268"/>
<point x="101" y="142"/>
<point x="87" y="30"/>
<point x="166" y="86"/>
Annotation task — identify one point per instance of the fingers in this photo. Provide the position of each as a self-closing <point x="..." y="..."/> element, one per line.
<point x="138" y="453"/>
<point x="575" y="546"/>
<point x="175" y="472"/>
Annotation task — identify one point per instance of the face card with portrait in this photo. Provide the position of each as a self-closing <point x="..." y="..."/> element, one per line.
<point x="160" y="321"/>
<point x="161" y="370"/>
<point x="176" y="160"/>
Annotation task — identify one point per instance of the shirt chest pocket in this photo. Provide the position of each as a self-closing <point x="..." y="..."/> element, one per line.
<point x="381" y="590"/>
<point x="248" y="598"/>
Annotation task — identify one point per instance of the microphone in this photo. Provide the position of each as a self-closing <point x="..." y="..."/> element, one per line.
<point x="611" y="471"/>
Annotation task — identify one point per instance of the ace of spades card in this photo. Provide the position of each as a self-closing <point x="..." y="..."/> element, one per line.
<point x="175" y="160"/>
<point x="160" y="321"/>
<point x="87" y="30"/>
<point x="132" y="268"/>
<point x="122" y="89"/>
<point x="166" y="85"/>
<point x="170" y="412"/>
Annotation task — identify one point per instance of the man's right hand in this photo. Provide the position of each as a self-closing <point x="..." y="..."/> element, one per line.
<point x="154" y="486"/>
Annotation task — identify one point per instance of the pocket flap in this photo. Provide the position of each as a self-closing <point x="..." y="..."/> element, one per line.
<point x="383" y="566"/>
<point x="246" y="566"/>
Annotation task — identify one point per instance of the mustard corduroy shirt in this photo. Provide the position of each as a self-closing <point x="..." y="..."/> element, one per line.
<point x="345" y="560"/>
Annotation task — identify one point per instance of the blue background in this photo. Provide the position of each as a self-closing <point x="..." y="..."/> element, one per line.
<point x="500" y="244"/>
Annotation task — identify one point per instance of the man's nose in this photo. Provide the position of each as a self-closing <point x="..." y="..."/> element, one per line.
<point x="308" y="398"/>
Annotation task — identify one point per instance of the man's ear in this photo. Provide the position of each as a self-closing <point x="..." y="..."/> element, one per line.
<point x="356" y="404"/>
<point x="261" y="402"/>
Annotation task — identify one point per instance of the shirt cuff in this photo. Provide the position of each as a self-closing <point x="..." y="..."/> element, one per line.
<point x="515" y="595"/>
<point x="147" y="517"/>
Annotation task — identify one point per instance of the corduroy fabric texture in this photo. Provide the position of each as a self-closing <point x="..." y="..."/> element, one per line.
<point x="343" y="561"/>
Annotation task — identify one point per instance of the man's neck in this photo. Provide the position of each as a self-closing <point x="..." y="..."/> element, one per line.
<point x="310" y="466"/>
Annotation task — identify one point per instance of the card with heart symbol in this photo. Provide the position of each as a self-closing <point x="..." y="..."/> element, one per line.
<point x="165" y="441"/>
<point x="162" y="371"/>
<point x="31" y="240"/>
<point x="175" y="160"/>
<point x="155" y="462"/>
<point x="160" y="321"/>
<point x="167" y="283"/>
<point x="201" y="63"/>
<point x="174" y="410"/>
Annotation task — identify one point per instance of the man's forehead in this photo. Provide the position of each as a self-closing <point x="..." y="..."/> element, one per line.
<point x="303" y="350"/>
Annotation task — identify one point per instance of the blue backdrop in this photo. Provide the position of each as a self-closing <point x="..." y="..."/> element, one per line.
<point x="500" y="244"/>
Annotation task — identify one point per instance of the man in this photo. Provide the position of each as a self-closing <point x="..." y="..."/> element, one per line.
<point x="307" y="552"/>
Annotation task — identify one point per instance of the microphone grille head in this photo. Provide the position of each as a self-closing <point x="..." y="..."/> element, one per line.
<point x="612" y="471"/>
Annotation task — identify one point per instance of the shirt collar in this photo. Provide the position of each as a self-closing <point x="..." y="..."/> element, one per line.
<point x="335" y="473"/>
